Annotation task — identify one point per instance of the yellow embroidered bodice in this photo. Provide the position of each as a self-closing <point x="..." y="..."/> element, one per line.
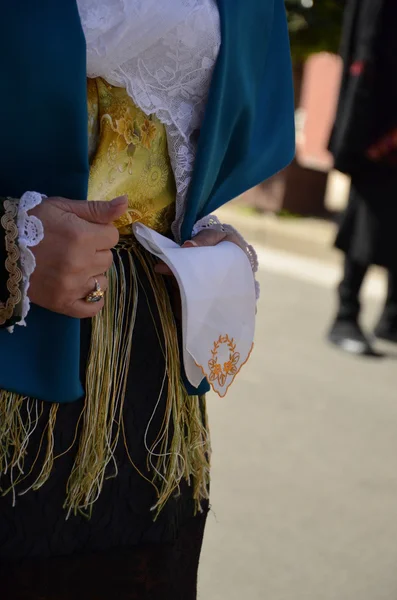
<point x="129" y="156"/>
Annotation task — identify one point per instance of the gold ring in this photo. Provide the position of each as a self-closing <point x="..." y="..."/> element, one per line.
<point x="96" y="295"/>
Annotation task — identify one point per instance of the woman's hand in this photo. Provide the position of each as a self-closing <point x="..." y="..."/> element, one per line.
<point x="75" y="251"/>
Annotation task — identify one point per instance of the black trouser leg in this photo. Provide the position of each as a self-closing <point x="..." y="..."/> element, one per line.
<point x="345" y="331"/>
<point x="387" y="326"/>
<point x="349" y="289"/>
<point x="391" y="300"/>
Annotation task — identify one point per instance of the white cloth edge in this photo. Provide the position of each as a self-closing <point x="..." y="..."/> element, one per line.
<point x="212" y="222"/>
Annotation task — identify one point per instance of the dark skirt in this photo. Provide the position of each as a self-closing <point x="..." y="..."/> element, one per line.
<point x="120" y="552"/>
<point x="368" y="230"/>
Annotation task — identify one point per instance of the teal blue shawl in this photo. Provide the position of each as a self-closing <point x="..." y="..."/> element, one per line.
<point x="247" y="136"/>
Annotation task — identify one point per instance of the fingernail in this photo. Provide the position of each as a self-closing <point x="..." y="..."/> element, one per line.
<point x="119" y="201"/>
<point x="190" y="244"/>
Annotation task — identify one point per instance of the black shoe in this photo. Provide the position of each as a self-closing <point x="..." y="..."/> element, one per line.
<point x="386" y="330"/>
<point x="348" y="335"/>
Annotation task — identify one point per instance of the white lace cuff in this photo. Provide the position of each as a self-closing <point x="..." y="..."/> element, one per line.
<point x="212" y="222"/>
<point x="30" y="233"/>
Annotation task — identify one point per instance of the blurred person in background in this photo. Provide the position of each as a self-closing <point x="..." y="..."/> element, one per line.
<point x="364" y="145"/>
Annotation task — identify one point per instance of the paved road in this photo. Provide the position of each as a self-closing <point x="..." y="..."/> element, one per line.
<point x="305" y="458"/>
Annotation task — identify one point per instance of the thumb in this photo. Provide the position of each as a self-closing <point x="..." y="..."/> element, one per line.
<point x="99" y="212"/>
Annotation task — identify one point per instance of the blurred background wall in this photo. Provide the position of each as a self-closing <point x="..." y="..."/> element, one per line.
<point x="310" y="186"/>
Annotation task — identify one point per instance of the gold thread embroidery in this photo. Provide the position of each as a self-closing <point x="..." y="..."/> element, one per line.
<point x="219" y="372"/>
<point x="129" y="156"/>
<point x="13" y="255"/>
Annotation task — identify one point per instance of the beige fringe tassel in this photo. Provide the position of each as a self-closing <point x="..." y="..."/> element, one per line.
<point x="182" y="447"/>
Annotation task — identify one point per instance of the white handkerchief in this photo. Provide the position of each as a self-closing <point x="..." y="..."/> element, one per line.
<point x="218" y="306"/>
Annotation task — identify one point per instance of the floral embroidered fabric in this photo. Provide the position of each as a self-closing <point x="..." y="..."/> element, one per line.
<point x="129" y="156"/>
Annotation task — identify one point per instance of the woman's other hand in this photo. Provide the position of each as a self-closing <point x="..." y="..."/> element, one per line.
<point x="75" y="251"/>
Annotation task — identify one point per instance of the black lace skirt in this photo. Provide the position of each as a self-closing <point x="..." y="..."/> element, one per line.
<point x="121" y="552"/>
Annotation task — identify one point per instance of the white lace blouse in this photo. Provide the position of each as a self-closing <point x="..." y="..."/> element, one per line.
<point x="163" y="53"/>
